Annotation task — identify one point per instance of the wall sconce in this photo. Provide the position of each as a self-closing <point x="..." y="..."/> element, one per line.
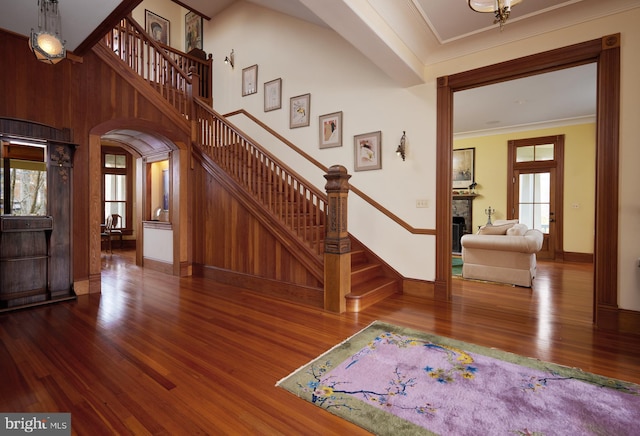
<point x="229" y="59"/>
<point x="400" y="151"/>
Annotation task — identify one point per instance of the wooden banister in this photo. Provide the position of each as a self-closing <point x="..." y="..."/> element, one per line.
<point x="300" y="206"/>
<point x="161" y="66"/>
<point x="359" y="193"/>
<point x="200" y="65"/>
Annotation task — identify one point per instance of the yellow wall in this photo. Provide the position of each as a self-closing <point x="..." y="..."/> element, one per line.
<point x="157" y="189"/>
<point x="579" y="179"/>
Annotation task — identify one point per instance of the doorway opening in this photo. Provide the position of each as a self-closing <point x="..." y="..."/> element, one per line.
<point x="605" y="52"/>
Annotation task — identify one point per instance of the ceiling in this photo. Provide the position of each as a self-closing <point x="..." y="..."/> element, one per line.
<point x="403" y="37"/>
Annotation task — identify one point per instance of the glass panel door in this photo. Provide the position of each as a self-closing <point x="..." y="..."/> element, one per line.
<point x="534" y="200"/>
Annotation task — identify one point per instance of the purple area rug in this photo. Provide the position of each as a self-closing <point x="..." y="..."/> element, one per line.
<point x="392" y="380"/>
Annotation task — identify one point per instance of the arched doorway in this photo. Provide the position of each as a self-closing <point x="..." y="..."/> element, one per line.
<point x="147" y="141"/>
<point x="606" y="53"/>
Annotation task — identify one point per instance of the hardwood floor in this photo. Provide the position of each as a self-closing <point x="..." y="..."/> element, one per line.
<point x="157" y="354"/>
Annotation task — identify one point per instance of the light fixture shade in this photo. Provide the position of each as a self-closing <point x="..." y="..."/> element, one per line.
<point x="491" y="5"/>
<point x="46" y="43"/>
<point x="47" y="47"/>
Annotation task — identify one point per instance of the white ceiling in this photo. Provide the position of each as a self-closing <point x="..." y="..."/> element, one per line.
<point x="559" y="98"/>
<point x="403" y="37"/>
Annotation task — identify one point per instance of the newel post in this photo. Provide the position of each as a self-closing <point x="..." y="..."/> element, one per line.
<point x="337" y="245"/>
<point x="194" y="90"/>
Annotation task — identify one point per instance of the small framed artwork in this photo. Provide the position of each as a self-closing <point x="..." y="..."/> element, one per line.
<point x="331" y="130"/>
<point x="249" y="80"/>
<point x="193" y="31"/>
<point x="367" y="150"/>
<point x="299" y="111"/>
<point x="463" y="167"/>
<point x="273" y="95"/>
<point x="156" y="26"/>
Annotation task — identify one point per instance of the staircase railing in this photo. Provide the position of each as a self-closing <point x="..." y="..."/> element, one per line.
<point x="156" y="63"/>
<point x="296" y="203"/>
<point x="201" y="65"/>
<point x="323" y="168"/>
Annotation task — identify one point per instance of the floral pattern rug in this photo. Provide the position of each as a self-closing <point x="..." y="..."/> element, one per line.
<point x="392" y="380"/>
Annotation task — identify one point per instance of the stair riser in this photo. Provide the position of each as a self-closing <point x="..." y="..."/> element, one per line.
<point x="361" y="276"/>
<point x="372" y="297"/>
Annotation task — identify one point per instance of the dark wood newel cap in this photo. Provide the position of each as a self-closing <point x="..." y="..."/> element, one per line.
<point x="337" y="179"/>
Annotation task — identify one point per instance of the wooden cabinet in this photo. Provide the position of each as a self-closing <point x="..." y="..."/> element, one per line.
<point x="24" y="260"/>
<point x="36" y="250"/>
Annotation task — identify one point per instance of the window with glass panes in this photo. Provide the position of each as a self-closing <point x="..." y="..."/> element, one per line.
<point x="535" y="187"/>
<point x="116" y="172"/>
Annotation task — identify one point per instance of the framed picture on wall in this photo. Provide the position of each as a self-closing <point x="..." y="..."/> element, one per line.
<point x="299" y="111"/>
<point x="463" y="167"/>
<point x="273" y="95"/>
<point x="249" y="80"/>
<point x="367" y="151"/>
<point x="330" y="126"/>
<point x="193" y="31"/>
<point x="157" y="27"/>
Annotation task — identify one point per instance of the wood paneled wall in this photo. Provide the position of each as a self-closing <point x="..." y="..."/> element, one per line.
<point x="88" y="98"/>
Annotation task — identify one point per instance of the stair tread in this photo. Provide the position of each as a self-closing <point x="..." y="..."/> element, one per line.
<point x="372" y="286"/>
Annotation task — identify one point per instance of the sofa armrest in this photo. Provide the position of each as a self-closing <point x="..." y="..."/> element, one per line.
<point x="531" y="242"/>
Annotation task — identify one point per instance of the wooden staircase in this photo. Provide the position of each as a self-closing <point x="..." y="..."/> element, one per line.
<point x="290" y="206"/>
<point x="371" y="279"/>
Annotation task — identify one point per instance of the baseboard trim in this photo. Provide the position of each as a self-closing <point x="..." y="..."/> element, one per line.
<point x="578" y="257"/>
<point x="618" y="320"/>
<point x="158" y="265"/>
<point x="418" y="288"/>
<point x="287" y="291"/>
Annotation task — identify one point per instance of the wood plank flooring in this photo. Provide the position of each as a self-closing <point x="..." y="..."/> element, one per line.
<point x="156" y="354"/>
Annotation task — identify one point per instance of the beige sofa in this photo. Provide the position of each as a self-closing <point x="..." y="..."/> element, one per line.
<point x="504" y="252"/>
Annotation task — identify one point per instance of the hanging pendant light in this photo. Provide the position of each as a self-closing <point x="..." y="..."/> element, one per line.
<point x="47" y="42"/>
<point x="500" y="8"/>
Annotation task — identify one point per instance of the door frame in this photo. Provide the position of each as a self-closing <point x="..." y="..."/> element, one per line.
<point x="605" y="52"/>
<point x="555" y="238"/>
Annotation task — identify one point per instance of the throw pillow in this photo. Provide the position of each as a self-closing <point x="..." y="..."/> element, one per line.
<point x="495" y="230"/>
<point x="517" y="230"/>
<point x="501" y="222"/>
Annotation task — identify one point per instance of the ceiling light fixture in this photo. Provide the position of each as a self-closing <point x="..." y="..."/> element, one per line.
<point x="46" y="43"/>
<point x="229" y="59"/>
<point x="500" y="8"/>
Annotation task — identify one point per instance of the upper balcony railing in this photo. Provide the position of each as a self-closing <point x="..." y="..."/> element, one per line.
<point x="164" y="68"/>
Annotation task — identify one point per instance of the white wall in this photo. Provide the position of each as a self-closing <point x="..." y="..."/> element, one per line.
<point x="158" y="244"/>
<point x="315" y="60"/>
<point x="312" y="59"/>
